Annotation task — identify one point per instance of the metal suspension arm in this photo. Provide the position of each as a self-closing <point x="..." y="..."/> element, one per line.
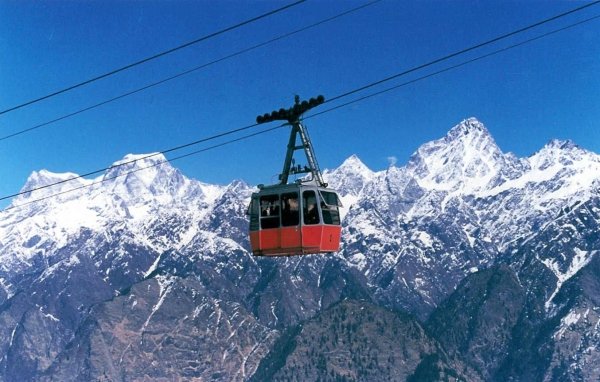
<point x="292" y="115"/>
<point x="289" y="156"/>
<point x="310" y="155"/>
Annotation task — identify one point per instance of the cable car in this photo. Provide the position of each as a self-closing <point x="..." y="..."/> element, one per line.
<point x="298" y="218"/>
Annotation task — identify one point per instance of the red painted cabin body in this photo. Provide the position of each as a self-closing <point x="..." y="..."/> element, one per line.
<point x="294" y="219"/>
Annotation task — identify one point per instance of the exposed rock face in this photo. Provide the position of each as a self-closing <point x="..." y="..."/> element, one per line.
<point x="356" y="340"/>
<point x="477" y="322"/>
<point x="165" y="328"/>
<point x="147" y="275"/>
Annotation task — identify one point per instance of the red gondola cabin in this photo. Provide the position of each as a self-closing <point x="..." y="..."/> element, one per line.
<point x="301" y="217"/>
<point x="294" y="219"/>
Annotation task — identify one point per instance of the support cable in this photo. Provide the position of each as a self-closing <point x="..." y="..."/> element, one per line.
<point x="311" y="116"/>
<point x="463" y="51"/>
<point x="184" y="73"/>
<point x="132" y="161"/>
<point x="143" y="168"/>
<point x="153" y="57"/>
<point x="449" y="68"/>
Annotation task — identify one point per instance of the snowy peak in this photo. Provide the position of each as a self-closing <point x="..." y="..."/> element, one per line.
<point x="136" y="162"/>
<point x="469" y="139"/>
<point x="563" y="148"/>
<point x="143" y="175"/>
<point x="561" y="153"/>
<point x="153" y="255"/>
<point x="561" y="144"/>
<point x="355" y="165"/>
<point x="563" y="170"/>
<point x="466" y="159"/>
<point x="44" y="178"/>
<point x="41" y="180"/>
<point x="141" y="160"/>
<point x="352" y="166"/>
<point x="350" y="177"/>
<point x="469" y="129"/>
<point x="122" y="197"/>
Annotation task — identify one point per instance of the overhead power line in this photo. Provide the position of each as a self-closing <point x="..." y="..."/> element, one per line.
<point x="311" y="116"/>
<point x="153" y="57"/>
<point x="189" y="71"/>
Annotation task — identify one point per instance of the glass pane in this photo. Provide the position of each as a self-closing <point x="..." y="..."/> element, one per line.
<point x="253" y="212"/>
<point x="329" y="207"/>
<point x="309" y="207"/>
<point x="269" y="211"/>
<point x="331" y="198"/>
<point x="290" y="214"/>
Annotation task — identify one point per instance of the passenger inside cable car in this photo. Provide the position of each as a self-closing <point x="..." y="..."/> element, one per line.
<point x="311" y="214"/>
<point x="290" y="215"/>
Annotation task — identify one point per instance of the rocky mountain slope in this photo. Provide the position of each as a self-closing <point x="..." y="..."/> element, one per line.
<point x="147" y="275"/>
<point x="356" y="340"/>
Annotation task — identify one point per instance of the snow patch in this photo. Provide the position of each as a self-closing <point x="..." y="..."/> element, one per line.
<point x="164" y="285"/>
<point x="153" y="266"/>
<point x="570" y="319"/>
<point x="580" y="260"/>
<point x="48" y="315"/>
<point x="358" y="259"/>
<point x="424" y="238"/>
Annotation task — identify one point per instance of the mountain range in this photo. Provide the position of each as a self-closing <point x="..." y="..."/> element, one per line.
<point x="467" y="263"/>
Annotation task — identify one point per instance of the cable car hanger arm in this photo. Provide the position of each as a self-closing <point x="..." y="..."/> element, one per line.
<point x="292" y="115"/>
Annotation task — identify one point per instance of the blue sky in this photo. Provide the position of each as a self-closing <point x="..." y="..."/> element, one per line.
<point x="525" y="96"/>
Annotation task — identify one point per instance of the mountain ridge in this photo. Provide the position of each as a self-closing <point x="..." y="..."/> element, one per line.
<point x="460" y="212"/>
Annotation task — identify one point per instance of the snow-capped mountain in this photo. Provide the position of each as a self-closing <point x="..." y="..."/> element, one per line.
<point x="144" y="190"/>
<point x="145" y="273"/>
<point x="466" y="160"/>
<point x="458" y="205"/>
